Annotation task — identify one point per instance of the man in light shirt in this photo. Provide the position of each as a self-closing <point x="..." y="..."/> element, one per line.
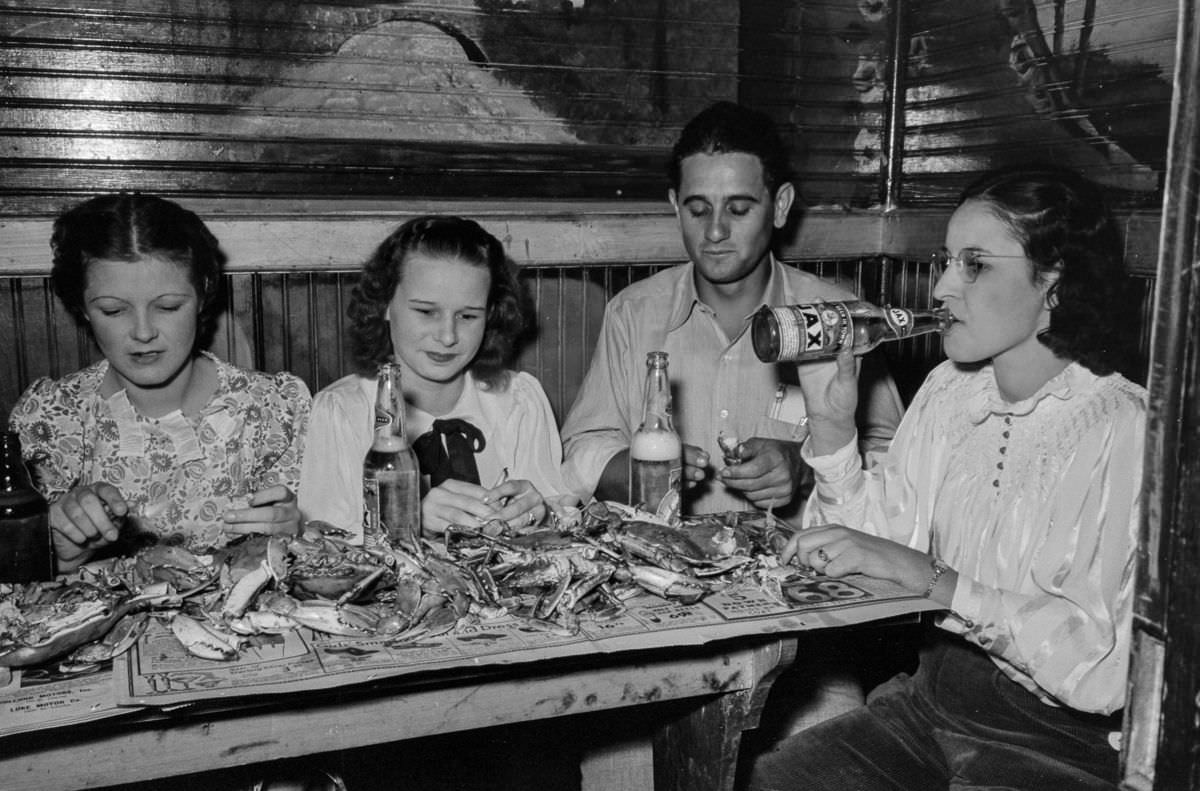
<point x="730" y="191"/>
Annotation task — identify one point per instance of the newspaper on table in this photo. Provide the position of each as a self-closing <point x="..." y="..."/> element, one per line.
<point x="159" y="673"/>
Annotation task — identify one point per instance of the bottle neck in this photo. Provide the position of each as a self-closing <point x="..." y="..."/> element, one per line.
<point x="389" y="412"/>
<point x="905" y="323"/>
<point x="14" y="475"/>
<point x="656" y="406"/>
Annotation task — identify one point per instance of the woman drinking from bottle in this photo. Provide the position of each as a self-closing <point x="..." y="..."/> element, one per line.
<point x="439" y="297"/>
<point x="1010" y="496"/>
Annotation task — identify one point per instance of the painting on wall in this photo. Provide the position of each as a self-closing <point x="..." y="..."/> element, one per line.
<point x="486" y="98"/>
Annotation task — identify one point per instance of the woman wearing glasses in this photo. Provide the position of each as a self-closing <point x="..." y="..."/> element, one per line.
<point x="1010" y="496"/>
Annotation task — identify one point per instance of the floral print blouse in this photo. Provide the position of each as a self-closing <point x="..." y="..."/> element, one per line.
<point x="179" y="474"/>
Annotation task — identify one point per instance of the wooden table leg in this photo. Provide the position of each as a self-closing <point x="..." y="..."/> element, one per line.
<point x="618" y="766"/>
<point x="698" y="751"/>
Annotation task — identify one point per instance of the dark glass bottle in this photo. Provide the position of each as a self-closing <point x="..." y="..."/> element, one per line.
<point x="819" y="330"/>
<point x="391" y="478"/>
<point x="26" y="550"/>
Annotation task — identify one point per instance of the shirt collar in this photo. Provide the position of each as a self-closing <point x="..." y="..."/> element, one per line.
<point x="685" y="299"/>
<point x="987" y="400"/>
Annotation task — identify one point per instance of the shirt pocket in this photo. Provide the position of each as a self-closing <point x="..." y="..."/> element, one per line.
<point x="786" y="417"/>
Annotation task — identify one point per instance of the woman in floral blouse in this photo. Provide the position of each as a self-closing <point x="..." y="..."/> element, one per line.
<point x="159" y="437"/>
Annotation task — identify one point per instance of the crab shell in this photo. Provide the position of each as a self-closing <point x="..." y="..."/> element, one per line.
<point x="693" y="544"/>
<point x="79" y="628"/>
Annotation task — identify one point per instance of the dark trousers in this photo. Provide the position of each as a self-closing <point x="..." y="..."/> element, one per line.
<point x="957" y="723"/>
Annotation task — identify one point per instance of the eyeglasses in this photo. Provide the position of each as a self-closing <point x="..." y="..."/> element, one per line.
<point x="968" y="262"/>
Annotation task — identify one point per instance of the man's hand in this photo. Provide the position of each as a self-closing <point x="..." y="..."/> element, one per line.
<point x="768" y="473"/>
<point x="695" y="466"/>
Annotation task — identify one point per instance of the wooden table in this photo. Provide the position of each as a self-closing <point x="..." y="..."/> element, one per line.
<point x="713" y="692"/>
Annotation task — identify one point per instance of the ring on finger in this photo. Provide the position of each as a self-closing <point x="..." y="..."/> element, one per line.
<point x="822" y="555"/>
<point x="532" y="518"/>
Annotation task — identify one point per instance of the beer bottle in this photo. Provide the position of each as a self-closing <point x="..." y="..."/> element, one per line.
<point x="656" y="453"/>
<point x="391" y="479"/>
<point x="819" y="330"/>
<point x="26" y="551"/>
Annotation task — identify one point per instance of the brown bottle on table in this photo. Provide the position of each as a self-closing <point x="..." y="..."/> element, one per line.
<point x="26" y="551"/>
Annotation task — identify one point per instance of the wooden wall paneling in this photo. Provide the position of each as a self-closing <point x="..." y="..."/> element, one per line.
<point x="1162" y="727"/>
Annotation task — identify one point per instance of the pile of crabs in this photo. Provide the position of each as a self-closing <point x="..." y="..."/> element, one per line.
<point x="585" y="566"/>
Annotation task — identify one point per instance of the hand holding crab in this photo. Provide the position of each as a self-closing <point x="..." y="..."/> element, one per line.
<point x="766" y="471"/>
<point x="454" y="502"/>
<point x="84" y="519"/>
<point x="272" y="511"/>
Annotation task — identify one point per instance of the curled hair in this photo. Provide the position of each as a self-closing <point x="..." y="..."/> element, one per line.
<point x="728" y="128"/>
<point x="131" y="227"/>
<point x="1064" y="226"/>
<point x="445" y="237"/>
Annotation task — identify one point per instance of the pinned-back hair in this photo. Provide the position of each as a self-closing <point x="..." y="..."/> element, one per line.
<point x="1063" y="223"/>
<point x="131" y="227"/>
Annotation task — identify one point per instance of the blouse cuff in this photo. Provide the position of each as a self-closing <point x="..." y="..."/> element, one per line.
<point x="967" y="604"/>
<point x="833" y="466"/>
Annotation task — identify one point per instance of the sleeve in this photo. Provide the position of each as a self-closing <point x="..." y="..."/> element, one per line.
<point x="535" y="440"/>
<point x="598" y="425"/>
<point x="288" y="404"/>
<point x="890" y="499"/>
<point x="1070" y="628"/>
<point x="331" y="475"/>
<point x="879" y="406"/>
<point x="50" y="424"/>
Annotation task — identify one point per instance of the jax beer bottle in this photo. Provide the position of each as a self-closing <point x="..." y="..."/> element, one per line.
<point x="391" y="479"/>
<point x="819" y="330"/>
<point x="656" y="453"/>
<point x="26" y="553"/>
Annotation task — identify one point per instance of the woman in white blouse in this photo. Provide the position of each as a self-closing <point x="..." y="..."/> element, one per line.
<point x="440" y="298"/>
<point x="1010" y="495"/>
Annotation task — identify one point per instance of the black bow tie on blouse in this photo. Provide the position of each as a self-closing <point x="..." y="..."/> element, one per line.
<point x="448" y="451"/>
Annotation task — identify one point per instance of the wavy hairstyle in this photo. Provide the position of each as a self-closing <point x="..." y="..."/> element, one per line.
<point x="449" y="237"/>
<point x="729" y="128"/>
<point x="1063" y="223"/>
<point x="131" y="227"/>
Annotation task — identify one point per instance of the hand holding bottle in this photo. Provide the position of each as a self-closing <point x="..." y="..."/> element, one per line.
<point x="830" y="399"/>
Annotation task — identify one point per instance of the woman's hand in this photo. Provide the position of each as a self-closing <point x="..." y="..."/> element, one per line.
<point x="452" y="502"/>
<point x="83" y="520"/>
<point x="519" y="503"/>
<point x="836" y="551"/>
<point x="272" y="511"/>
<point x="830" y="400"/>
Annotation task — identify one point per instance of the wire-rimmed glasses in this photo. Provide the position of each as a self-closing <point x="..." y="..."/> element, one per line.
<point x="968" y="262"/>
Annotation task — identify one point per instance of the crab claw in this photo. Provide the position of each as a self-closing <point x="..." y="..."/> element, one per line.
<point x="668" y="584"/>
<point x="202" y="641"/>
